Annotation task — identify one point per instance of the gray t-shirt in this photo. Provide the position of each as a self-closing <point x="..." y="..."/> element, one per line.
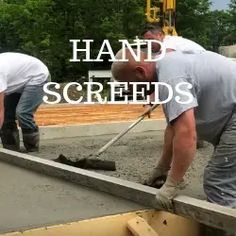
<point x="213" y="78"/>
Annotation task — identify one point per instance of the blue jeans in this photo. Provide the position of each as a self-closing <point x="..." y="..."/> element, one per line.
<point x="220" y="173"/>
<point x="22" y="106"/>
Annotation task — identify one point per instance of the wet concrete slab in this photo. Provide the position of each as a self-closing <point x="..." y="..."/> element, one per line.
<point x="135" y="155"/>
<point x="29" y="200"/>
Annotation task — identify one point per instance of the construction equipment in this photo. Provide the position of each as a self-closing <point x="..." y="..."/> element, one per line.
<point x="163" y="12"/>
<point x="93" y="161"/>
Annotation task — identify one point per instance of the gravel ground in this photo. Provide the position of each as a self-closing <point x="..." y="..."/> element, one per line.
<point x="135" y="156"/>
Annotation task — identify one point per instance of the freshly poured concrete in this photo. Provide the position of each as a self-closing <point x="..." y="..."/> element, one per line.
<point x="135" y="155"/>
<point x="29" y="200"/>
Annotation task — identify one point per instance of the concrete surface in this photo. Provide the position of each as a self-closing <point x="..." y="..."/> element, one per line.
<point x="199" y="210"/>
<point x="83" y="130"/>
<point x="135" y="155"/>
<point x="29" y="200"/>
<point x="70" y="131"/>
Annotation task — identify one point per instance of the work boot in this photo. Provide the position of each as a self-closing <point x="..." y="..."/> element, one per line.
<point x="10" y="139"/>
<point x="31" y="141"/>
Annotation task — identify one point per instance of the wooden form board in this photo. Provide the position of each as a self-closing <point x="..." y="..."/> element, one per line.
<point x="165" y="224"/>
<point x="198" y="210"/>
<point x="140" y="227"/>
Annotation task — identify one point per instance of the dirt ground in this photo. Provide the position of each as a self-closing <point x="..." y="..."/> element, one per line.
<point x="135" y="156"/>
<point x="90" y="114"/>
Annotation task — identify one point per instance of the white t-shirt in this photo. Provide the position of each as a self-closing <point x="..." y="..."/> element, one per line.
<point x="182" y="44"/>
<point x="18" y="70"/>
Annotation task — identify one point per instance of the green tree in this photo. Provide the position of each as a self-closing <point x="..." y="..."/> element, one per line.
<point x="192" y="20"/>
<point x="43" y="28"/>
<point x="219" y="29"/>
<point x="231" y="38"/>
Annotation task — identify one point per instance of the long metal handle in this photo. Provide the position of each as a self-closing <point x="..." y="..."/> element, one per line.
<point x="121" y="134"/>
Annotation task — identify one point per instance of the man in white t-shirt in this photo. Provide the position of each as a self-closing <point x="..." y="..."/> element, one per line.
<point x="172" y="43"/>
<point x="21" y="91"/>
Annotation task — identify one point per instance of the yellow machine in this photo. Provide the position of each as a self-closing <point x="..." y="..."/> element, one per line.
<point x="163" y="12"/>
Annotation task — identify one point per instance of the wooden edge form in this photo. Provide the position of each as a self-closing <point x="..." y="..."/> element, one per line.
<point x="198" y="210"/>
<point x="139" y="227"/>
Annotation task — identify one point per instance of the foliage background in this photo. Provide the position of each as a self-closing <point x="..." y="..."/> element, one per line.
<point x="43" y="28"/>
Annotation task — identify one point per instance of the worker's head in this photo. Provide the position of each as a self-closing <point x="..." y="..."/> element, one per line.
<point x="153" y="31"/>
<point x="132" y="70"/>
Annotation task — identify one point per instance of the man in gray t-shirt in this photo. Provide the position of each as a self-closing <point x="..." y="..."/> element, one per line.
<point x="210" y="114"/>
<point x="213" y="78"/>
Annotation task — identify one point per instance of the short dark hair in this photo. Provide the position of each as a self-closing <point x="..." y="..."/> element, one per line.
<point x="154" y="28"/>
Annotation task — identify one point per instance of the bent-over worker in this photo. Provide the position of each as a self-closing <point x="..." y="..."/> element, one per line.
<point x="21" y="91"/>
<point x="211" y="115"/>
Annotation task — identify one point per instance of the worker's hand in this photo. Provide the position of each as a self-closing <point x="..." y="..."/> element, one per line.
<point x="157" y="177"/>
<point x="147" y="107"/>
<point x="167" y="192"/>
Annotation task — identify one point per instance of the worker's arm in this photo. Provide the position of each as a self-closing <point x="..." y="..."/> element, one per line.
<point x="184" y="148"/>
<point x="1" y="109"/>
<point x="167" y="152"/>
<point x="159" y="173"/>
<point x="184" y="144"/>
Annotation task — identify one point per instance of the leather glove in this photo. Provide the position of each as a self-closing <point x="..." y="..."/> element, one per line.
<point x="157" y="177"/>
<point x="167" y="192"/>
